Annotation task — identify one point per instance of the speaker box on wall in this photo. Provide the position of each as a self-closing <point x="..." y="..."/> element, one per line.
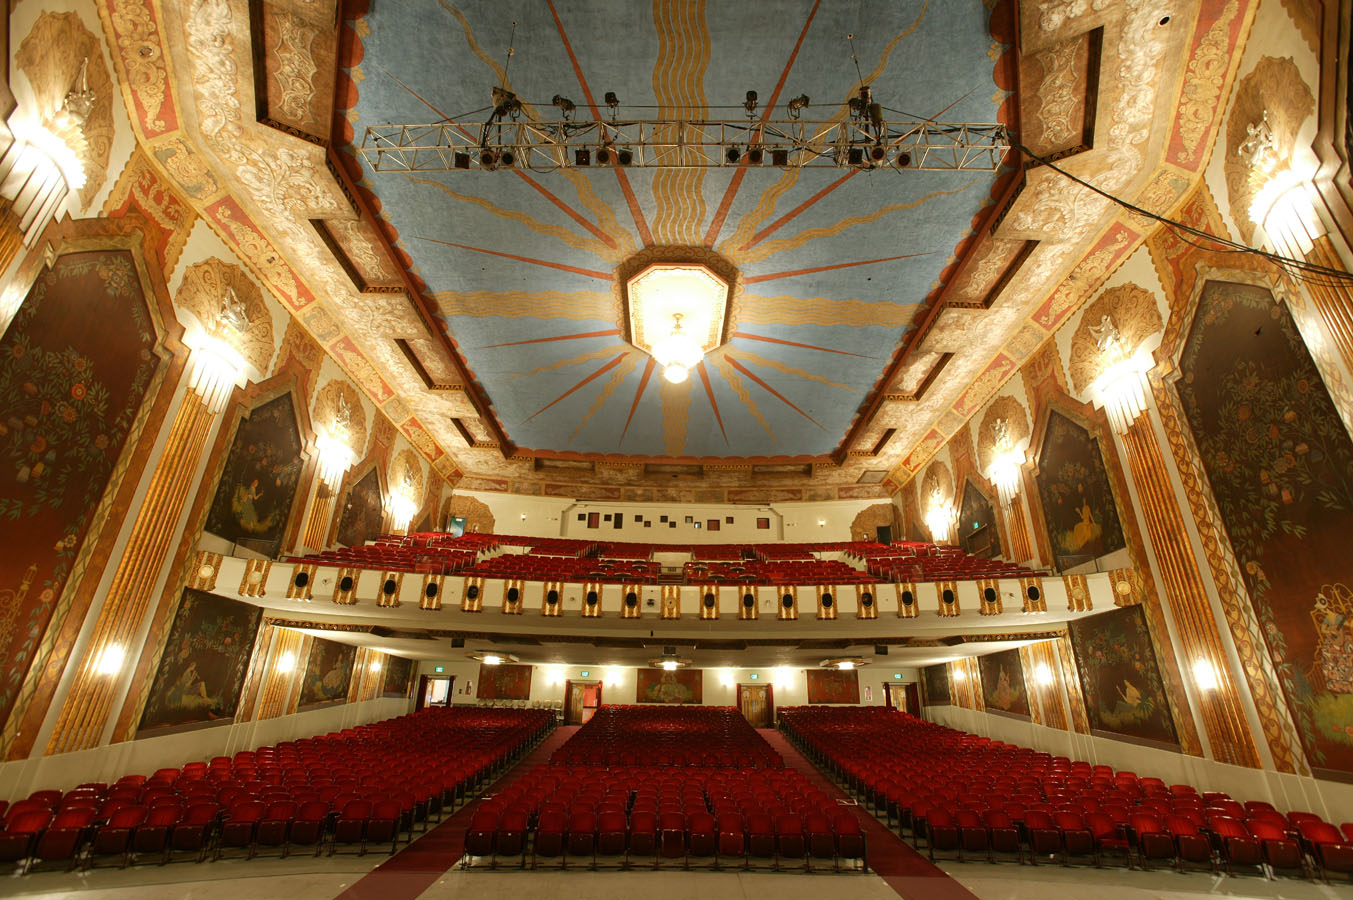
<point x="880" y="649"/>
<point x="457" y="642"/>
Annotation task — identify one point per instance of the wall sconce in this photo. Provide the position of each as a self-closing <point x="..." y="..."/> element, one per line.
<point x="960" y="675"/>
<point x="939" y="517"/>
<point x="1281" y="205"/>
<point x="110" y="660"/>
<point x="783" y="676"/>
<point x="1043" y="674"/>
<point x="1003" y="471"/>
<point x="285" y="663"/>
<point x="1120" y="390"/>
<point x="375" y="667"/>
<point x="215" y="368"/>
<point x="1205" y="675"/>
<point x="402" y="509"/>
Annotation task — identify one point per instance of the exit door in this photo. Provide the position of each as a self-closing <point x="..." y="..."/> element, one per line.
<point x="754" y="700"/>
<point x="584" y="698"/>
<point x="884" y="533"/>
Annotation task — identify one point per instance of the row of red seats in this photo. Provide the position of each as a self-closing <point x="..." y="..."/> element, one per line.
<point x="682" y="736"/>
<point x="363" y="785"/>
<point x="944" y="791"/>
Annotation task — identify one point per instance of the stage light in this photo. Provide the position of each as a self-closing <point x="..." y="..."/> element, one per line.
<point x="507" y="158"/>
<point x="755" y="155"/>
<point x="487" y="158"/>
<point x="604" y="157"/>
<point x="626" y="157"/>
<point x="732" y="155"/>
<point x="797" y="104"/>
<point x="613" y="102"/>
<point x="903" y="160"/>
<point x="750" y="104"/>
<point x="582" y="157"/>
<point x="779" y="157"/>
<point x="566" y="106"/>
<point x="462" y="160"/>
<point x="876" y="153"/>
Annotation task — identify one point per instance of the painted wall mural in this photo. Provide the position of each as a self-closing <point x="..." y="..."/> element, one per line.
<point x="504" y="682"/>
<point x="75" y="365"/>
<point x="833" y="686"/>
<point x="254" y="497"/>
<point x="328" y="670"/>
<point x="1120" y="676"/>
<point x="977" y="530"/>
<point x="363" y="512"/>
<point x="204" y="664"/>
<point x="661" y="686"/>
<point x="1078" y="505"/>
<point x="1003" y="687"/>
<point x="935" y="680"/>
<point x="398" y="674"/>
<point x="1280" y="464"/>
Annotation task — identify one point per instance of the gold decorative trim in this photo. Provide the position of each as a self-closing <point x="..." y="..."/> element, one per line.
<point x="303" y="591"/>
<point x="870" y="611"/>
<point x="433" y="602"/>
<point x="1077" y="593"/>
<point x="947" y="610"/>
<point x="390" y="599"/>
<point x="827" y="612"/>
<point x="984" y="606"/>
<point x="206" y="569"/>
<point x="1027" y="603"/>
<point x="556" y="608"/>
<point x="671" y="601"/>
<point x="709" y="612"/>
<point x="908" y="610"/>
<point x="346" y="597"/>
<point x="782" y="612"/>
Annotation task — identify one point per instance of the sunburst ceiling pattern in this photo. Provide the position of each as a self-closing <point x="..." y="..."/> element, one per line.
<point x="835" y="265"/>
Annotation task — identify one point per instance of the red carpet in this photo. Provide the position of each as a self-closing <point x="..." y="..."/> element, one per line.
<point x="418" y="866"/>
<point x="909" y="873"/>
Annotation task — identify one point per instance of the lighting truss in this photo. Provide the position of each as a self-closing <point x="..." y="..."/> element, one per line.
<point x="685" y="144"/>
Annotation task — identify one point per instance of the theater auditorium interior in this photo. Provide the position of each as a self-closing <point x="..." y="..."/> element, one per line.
<point x="599" y="448"/>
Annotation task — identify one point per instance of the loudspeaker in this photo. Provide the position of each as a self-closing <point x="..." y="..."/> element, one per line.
<point x="880" y="649"/>
<point x="457" y="643"/>
<point x="669" y="651"/>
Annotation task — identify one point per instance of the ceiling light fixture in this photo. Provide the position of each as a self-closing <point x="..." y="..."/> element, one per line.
<point x="844" y="664"/>
<point x="676" y="314"/>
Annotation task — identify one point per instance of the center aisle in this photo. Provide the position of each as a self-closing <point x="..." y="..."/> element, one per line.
<point x="907" y="872"/>
<point x="417" y="867"/>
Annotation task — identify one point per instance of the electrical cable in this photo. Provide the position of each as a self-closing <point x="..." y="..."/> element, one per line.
<point x="1299" y="269"/>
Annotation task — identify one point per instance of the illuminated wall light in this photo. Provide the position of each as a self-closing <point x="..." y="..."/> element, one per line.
<point x="1043" y="674"/>
<point x="1205" y="675"/>
<point x="613" y="676"/>
<point x="727" y="677"/>
<point x="670" y="665"/>
<point x="845" y="665"/>
<point x="492" y="660"/>
<point x="783" y="676"/>
<point x="375" y="667"/>
<point x="215" y="368"/>
<point x="402" y="510"/>
<point x="940" y="517"/>
<point x="1121" y="390"/>
<point x="334" y="458"/>
<point x="960" y="675"/>
<point x="285" y="663"/>
<point x="110" y="660"/>
<point x="37" y="172"/>
<point x="554" y="675"/>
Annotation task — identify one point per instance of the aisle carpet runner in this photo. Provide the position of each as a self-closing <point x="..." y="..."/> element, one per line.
<point x="418" y="866"/>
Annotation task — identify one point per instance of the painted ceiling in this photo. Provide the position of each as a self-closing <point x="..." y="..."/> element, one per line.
<point x="835" y="266"/>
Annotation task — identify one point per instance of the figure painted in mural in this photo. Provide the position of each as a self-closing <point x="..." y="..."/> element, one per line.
<point x="363" y="513"/>
<point x="1004" y="694"/>
<point x="1078" y="502"/>
<point x="328" y="672"/>
<point x="206" y="658"/>
<point x="258" y="484"/>
<point x="669" y="690"/>
<point x="1124" y="692"/>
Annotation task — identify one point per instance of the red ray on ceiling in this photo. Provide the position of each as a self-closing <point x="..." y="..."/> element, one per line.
<point x="795" y="272"/>
<point x="745" y="371"/>
<point x="709" y="392"/>
<point x="771" y="340"/>
<point x="601" y="371"/>
<point x="727" y="202"/>
<point x="632" y="201"/>
<point x="798" y="210"/>
<point x="568" y="210"/>
<point x="590" y="273"/>
<point x="562" y="337"/>
<point x="643" y="383"/>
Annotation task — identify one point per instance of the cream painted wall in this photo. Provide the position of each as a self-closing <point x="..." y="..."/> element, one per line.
<point x="552" y="517"/>
<point x="619" y="682"/>
<point x="64" y="771"/>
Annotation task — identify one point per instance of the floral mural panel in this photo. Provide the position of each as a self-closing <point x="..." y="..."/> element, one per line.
<point x="1078" y="505"/>
<point x="1124" y="694"/>
<point x="254" y="497"/>
<point x="76" y="363"/>
<point x="833" y="686"/>
<point x="1280" y="464"/>
<point x="328" y="670"/>
<point x="935" y="681"/>
<point x="977" y="530"/>
<point x="204" y="663"/>
<point x="662" y="686"/>
<point x="363" y="513"/>
<point x="1003" y="687"/>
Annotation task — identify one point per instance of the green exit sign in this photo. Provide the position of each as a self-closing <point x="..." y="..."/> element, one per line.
<point x="583" y="674"/>
<point x="897" y="676"/>
<point x="439" y="669"/>
<point x="754" y="676"/>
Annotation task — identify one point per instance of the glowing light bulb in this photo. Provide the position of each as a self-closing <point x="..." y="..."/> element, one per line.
<point x="670" y="665"/>
<point x="492" y="660"/>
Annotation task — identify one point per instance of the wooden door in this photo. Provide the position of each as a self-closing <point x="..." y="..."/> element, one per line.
<point x="573" y="705"/>
<point x="913" y="699"/>
<point x="754" y="701"/>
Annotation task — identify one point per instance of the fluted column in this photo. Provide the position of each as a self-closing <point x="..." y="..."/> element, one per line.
<point x="1332" y="299"/>
<point x="317" y="525"/>
<point x="90" y="699"/>
<point x="1196" y="627"/>
<point x="1021" y="545"/>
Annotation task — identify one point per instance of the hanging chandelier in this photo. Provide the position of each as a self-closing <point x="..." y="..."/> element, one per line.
<point x="676" y="313"/>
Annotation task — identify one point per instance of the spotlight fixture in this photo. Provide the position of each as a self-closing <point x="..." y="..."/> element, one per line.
<point x="626" y="156"/>
<point x="855" y="156"/>
<point x="876" y="153"/>
<point x="797" y="104"/>
<point x="903" y="160"/>
<point x="505" y="103"/>
<point x="669" y="663"/>
<point x="613" y="102"/>
<point x="779" y="157"/>
<point x="488" y="159"/>
<point x="507" y="158"/>
<point x="755" y="155"/>
<point x="750" y="104"/>
<point x="582" y="157"/>
<point x="462" y="160"/>
<point x="732" y="155"/>
<point x="566" y="106"/>
<point x="493" y="657"/>
<point x="605" y="156"/>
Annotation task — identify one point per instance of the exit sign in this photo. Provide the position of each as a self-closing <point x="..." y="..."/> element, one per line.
<point x="438" y="669"/>
<point x="754" y="676"/>
<point x="583" y="674"/>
